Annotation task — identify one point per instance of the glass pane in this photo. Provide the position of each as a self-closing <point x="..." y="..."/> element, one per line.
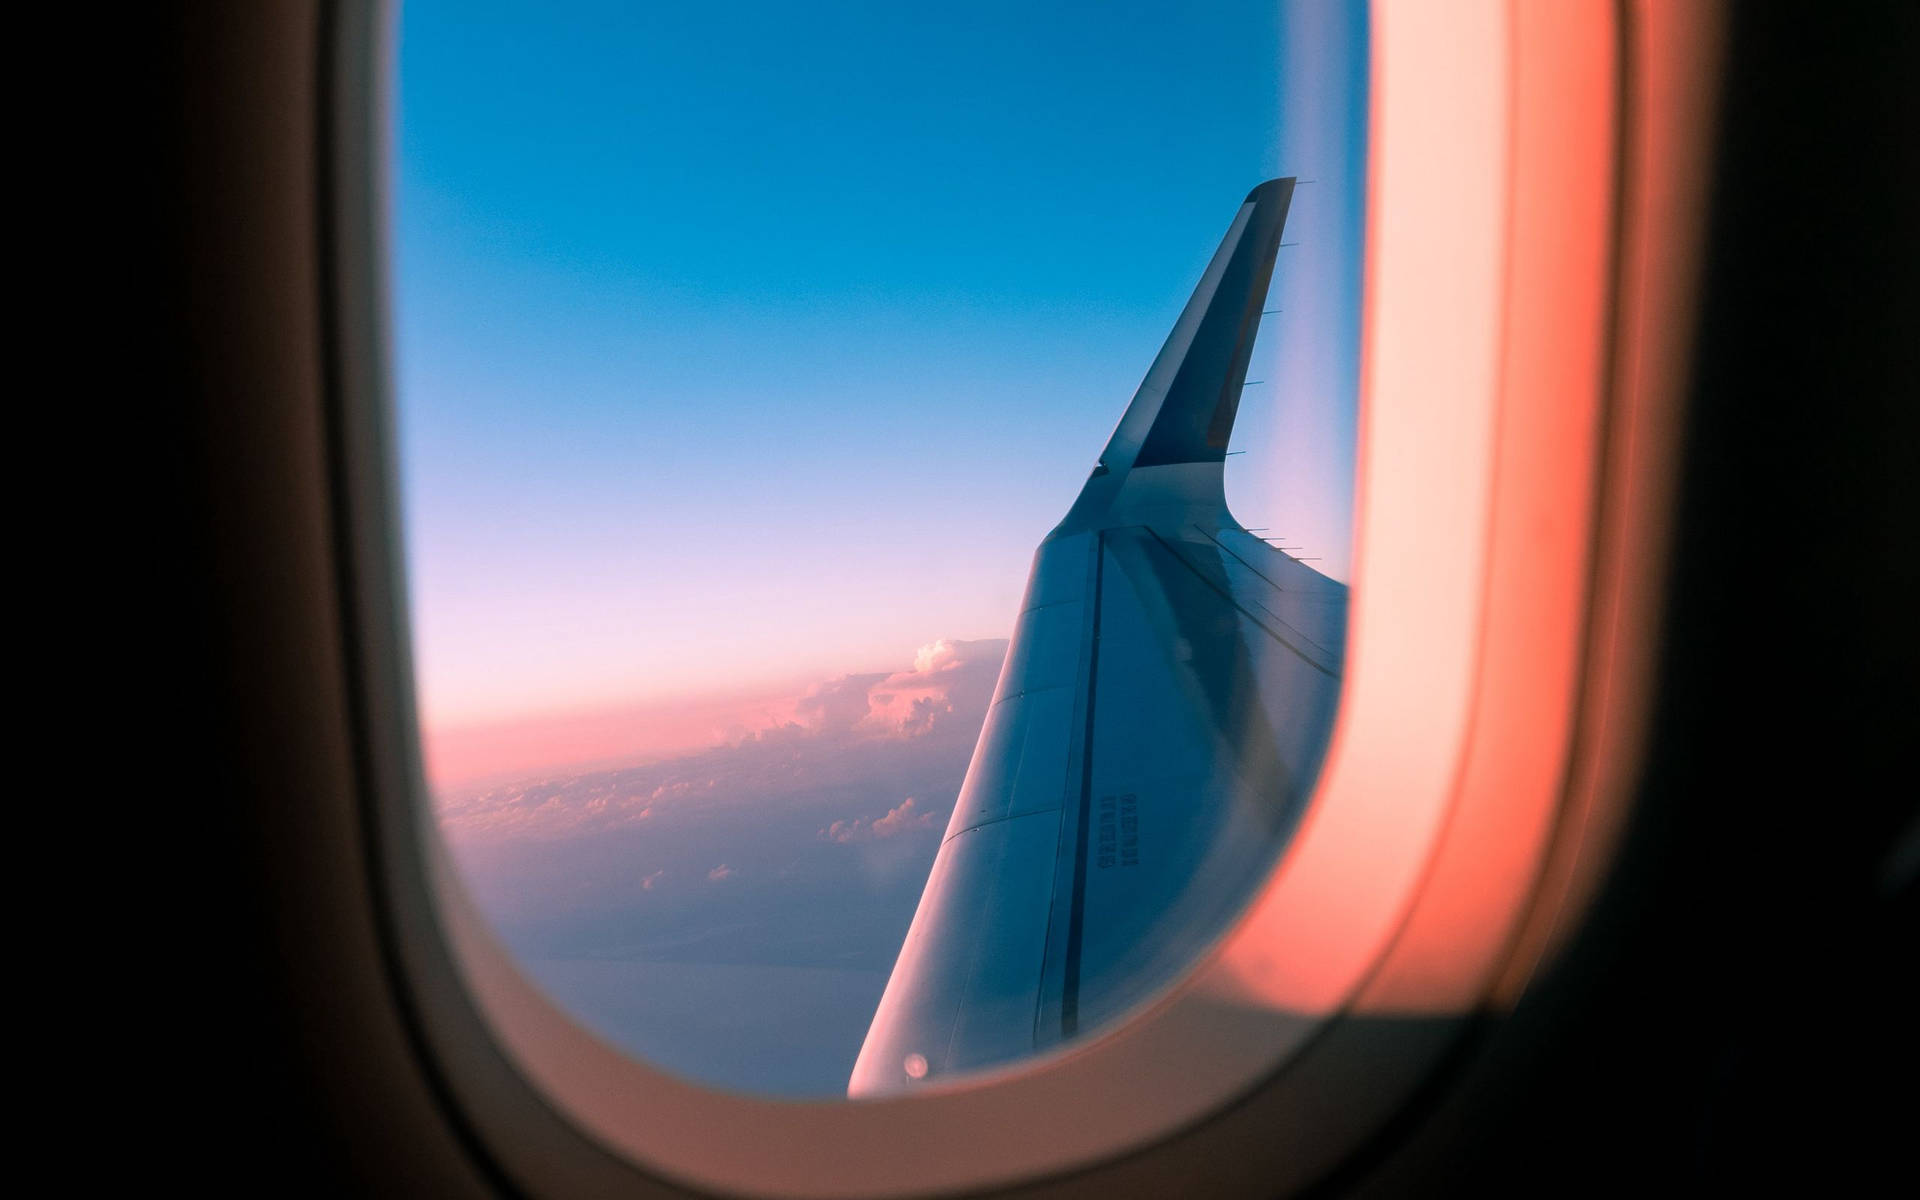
<point x="746" y="355"/>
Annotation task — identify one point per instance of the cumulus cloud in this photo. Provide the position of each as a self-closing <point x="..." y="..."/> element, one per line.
<point x="948" y="687"/>
<point x="837" y="704"/>
<point x="951" y="683"/>
<point x="652" y="881"/>
<point x="723" y="871"/>
<point x="909" y="816"/>
<point x="903" y="818"/>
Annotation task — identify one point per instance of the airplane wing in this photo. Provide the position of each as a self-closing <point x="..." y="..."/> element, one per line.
<point x="1164" y="707"/>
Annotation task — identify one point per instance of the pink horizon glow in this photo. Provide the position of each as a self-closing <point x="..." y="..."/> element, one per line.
<point x="628" y="733"/>
<point x="617" y="734"/>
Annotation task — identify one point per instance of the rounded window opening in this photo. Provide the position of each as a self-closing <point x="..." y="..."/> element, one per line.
<point x="821" y="693"/>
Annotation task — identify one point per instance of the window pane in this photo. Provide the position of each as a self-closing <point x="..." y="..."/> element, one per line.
<point x="746" y="355"/>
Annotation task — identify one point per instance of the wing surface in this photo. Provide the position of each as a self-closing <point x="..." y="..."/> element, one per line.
<point x="1167" y="697"/>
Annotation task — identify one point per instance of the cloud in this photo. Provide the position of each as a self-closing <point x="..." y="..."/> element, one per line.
<point x="951" y="683"/>
<point x="854" y="744"/>
<point x="902" y="819"/>
<point x="813" y="834"/>
<point x="909" y="816"/>
<point x="837" y="704"/>
<point x="949" y="686"/>
<point x="547" y="808"/>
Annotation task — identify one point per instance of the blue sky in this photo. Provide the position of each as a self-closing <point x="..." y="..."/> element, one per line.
<point x="742" y="344"/>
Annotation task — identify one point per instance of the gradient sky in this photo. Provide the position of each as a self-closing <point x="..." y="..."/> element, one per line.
<point x="744" y="345"/>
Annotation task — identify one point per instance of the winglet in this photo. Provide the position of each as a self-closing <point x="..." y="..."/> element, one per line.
<point x="1184" y="409"/>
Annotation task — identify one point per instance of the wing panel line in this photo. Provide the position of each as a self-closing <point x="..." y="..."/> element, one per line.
<point x="1264" y="624"/>
<point x="1070" y="985"/>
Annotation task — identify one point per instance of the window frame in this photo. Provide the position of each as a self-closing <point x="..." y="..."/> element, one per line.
<point x="1488" y="280"/>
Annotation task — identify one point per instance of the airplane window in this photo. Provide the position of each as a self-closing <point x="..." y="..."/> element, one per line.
<point x="878" y="490"/>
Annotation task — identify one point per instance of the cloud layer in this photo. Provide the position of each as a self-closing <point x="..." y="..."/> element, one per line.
<point x="849" y="729"/>
<point x="796" y="850"/>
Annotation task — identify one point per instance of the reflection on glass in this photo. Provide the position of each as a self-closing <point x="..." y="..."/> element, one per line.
<point x="745" y="359"/>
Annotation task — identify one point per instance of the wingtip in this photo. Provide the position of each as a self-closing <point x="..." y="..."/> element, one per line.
<point x="1270" y="189"/>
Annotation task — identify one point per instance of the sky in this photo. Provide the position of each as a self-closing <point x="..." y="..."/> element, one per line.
<point x="744" y="356"/>
<point x="742" y="345"/>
